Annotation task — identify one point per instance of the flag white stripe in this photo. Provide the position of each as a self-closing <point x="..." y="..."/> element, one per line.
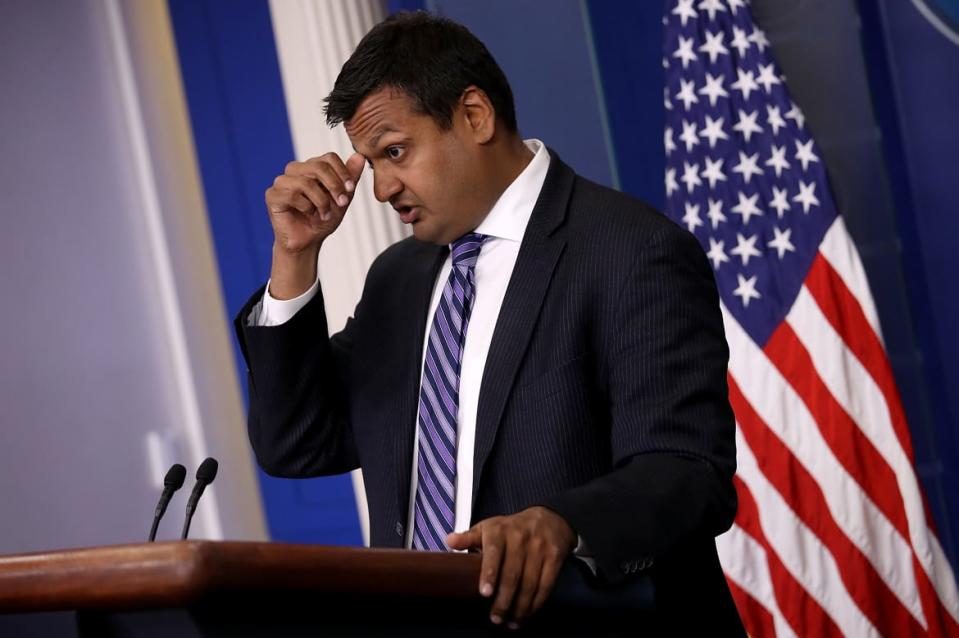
<point x="857" y="392"/>
<point x="851" y="507"/>
<point x="841" y="254"/>
<point x="892" y="561"/>
<point x="744" y="562"/>
<point x="802" y="552"/>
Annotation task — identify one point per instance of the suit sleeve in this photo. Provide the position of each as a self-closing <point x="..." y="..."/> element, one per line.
<point x="672" y="429"/>
<point x="298" y="419"/>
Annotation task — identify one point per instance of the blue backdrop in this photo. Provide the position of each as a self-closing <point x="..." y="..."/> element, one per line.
<point x="238" y="113"/>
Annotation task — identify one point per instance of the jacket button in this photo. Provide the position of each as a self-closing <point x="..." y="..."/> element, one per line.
<point x="625" y="567"/>
<point x="399" y="528"/>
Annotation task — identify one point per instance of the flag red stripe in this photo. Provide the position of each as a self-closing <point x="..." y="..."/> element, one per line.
<point x="852" y="448"/>
<point x="759" y="622"/>
<point x="930" y="602"/>
<point x="804" y="495"/>
<point x="801" y="611"/>
<point x="856" y="453"/>
<point x="939" y="621"/>
<point x="845" y="313"/>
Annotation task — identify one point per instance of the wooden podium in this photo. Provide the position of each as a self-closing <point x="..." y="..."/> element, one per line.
<point x="201" y="588"/>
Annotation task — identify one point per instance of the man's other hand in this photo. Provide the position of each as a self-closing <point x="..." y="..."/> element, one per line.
<point x="522" y="555"/>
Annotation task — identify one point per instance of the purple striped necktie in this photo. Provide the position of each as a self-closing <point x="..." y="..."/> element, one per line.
<point x="435" y="506"/>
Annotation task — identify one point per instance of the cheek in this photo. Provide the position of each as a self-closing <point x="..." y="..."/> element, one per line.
<point x="439" y="177"/>
<point x="436" y="182"/>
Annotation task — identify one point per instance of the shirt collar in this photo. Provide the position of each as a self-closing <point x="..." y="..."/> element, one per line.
<point x="511" y="212"/>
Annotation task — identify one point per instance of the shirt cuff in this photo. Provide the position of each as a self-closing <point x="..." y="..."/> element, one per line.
<point x="276" y="312"/>
<point x="582" y="553"/>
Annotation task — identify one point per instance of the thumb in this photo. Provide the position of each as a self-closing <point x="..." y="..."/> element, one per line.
<point x="354" y="166"/>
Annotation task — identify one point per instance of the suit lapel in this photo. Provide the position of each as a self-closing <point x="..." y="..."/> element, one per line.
<point x="418" y="291"/>
<point x="538" y="256"/>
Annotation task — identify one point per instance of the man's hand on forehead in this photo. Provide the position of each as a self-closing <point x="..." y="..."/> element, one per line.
<point x="330" y="182"/>
<point x="306" y="204"/>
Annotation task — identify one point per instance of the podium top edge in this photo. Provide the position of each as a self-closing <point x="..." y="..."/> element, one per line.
<point x="178" y="573"/>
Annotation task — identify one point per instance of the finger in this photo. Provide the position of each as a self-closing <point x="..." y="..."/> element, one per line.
<point x="328" y="179"/>
<point x="290" y="201"/>
<point x="330" y="170"/>
<point x="509" y="578"/>
<point x="331" y="181"/>
<point x="354" y="166"/>
<point x="333" y="161"/>
<point x="547" y="579"/>
<point x="532" y="569"/>
<point x="493" y="547"/>
<point x="309" y="188"/>
<point x="473" y="537"/>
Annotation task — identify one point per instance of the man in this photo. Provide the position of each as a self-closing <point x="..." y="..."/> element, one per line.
<point x="538" y="372"/>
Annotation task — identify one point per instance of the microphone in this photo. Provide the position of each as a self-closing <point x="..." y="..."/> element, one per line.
<point x="171" y="483"/>
<point x="204" y="476"/>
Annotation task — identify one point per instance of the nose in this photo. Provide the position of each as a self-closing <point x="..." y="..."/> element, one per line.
<point x="385" y="184"/>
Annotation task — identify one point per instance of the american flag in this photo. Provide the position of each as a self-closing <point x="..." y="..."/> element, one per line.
<point x="832" y="535"/>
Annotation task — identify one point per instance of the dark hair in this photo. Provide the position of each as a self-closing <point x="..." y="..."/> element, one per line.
<point x="429" y="58"/>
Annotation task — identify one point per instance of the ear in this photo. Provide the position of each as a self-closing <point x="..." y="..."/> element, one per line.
<point x="479" y="114"/>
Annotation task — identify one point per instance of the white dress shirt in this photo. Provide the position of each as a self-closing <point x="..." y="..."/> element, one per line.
<point x="505" y="225"/>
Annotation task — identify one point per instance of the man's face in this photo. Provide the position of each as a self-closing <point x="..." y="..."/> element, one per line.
<point x="432" y="177"/>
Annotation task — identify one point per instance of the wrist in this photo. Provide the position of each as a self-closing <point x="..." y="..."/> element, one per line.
<point x="562" y="526"/>
<point x="292" y="273"/>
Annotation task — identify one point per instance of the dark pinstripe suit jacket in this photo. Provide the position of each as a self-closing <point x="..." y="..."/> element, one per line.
<point x="604" y="395"/>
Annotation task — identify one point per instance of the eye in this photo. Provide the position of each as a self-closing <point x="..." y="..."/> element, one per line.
<point x="394" y="152"/>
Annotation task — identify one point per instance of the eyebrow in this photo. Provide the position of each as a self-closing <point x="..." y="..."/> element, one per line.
<point x="383" y="131"/>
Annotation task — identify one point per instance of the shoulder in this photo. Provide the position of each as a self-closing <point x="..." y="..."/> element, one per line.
<point x="601" y="219"/>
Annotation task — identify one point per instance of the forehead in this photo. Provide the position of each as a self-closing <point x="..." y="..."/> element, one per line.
<point x="385" y="110"/>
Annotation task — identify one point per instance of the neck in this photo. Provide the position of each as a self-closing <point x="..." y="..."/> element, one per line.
<point x="502" y="164"/>
<point x="513" y="158"/>
<point x="518" y="158"/>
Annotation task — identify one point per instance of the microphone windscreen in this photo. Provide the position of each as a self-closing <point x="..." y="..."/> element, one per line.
<point x="207" y="470"/>
<point x="175" y="476"/>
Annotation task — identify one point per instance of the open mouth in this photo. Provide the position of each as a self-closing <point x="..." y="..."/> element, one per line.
<point x="408" y="214"/>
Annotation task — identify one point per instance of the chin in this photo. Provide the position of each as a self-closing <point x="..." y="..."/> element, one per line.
<point x="424" y="232"/>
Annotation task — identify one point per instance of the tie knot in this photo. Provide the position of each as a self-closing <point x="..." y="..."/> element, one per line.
<point x="466" y="249"/>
